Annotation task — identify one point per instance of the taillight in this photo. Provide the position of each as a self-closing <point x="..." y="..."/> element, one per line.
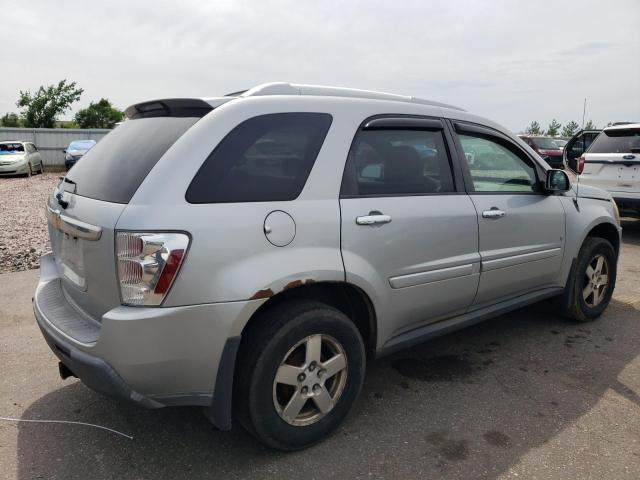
<point x="148" y="264"/>
<point x="580" y="165"/>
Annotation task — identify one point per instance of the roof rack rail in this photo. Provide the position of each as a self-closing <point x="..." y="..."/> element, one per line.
<point x="281" y="88"/>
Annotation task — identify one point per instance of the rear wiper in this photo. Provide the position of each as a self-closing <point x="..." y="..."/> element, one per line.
<point x="63" y="203"/>
<point x="65" y="179"/>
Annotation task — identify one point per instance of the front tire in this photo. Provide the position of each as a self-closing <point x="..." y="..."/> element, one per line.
<point x="301" y="367"/>
<point x="593" y="281"/>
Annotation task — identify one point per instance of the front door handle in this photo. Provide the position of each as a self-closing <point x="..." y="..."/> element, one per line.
<point x="374" y="218"/>
<point x="493" y="213"/>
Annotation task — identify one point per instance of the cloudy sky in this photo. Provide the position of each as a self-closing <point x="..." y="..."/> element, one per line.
<point x="513" y="61"/>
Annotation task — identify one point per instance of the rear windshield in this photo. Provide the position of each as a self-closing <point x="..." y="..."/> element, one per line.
<point x="545" y="143"/>
<point x="116" y="166"/>
<point x="10" y="148"/>
<point x="617" y="141"/>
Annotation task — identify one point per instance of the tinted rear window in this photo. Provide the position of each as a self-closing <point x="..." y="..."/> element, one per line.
<point x="616" y="141"/>
<point x="116" y="166"/>
<point x="265" y="158"/>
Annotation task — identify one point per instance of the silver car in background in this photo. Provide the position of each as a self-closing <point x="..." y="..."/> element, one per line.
<point x="248" y="253"/>
<point x="20" y="158"/>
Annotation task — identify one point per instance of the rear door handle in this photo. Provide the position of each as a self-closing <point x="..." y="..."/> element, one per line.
<point x="493" y="213"/>
<point x="374" y="218"/>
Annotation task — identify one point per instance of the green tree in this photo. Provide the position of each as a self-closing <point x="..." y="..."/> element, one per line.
<point x="590" y="125"/>
<point x="10" y="120"/>
<point x="569" y="129"/>
<point x="41" y="108"/>
<point x="554" y="128"/>
<point x="534" y="129"/>
<point x="99" y="115"/>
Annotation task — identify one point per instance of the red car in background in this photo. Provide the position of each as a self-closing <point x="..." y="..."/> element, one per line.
<point x="546" y="148"/>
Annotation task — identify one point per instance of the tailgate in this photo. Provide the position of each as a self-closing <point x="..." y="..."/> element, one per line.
<point x="82" y="240"/>
<point x="614" y="172"/>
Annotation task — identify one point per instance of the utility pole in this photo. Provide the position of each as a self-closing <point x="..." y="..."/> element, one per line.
<point x="584" y="110"/>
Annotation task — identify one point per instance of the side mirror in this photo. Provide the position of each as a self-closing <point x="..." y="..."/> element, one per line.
<point x="64" y="150"/>
<point x="557" y="181"/>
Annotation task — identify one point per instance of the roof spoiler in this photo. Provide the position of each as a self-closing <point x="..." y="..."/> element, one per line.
<point x="169" y="107"/>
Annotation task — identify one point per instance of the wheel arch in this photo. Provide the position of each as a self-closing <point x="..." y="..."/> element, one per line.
<point x="606" y="231"/>
<point x="345" y="297"/>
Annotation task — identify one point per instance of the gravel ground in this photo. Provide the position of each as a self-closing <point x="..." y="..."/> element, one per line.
<point x="23" y="226"/>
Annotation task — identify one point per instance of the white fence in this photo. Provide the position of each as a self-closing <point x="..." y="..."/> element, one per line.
<point x="51" y="141"/>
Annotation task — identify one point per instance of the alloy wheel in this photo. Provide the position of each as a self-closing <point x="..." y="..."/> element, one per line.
<point x="596" y="281"/>
<point x="310" y="380"/>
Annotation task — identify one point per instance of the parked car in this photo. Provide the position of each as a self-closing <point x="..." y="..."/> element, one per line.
<point x="576" y="146"/>
<point x="560" y="142"/>
<point x="20" y="158"/>
<point x="546" y="147"/>
<point x="248" y="253"/>
<point x="76" y="150"/>
<point x="612" y="163"/>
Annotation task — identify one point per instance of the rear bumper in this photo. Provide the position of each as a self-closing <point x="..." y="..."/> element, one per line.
<point x="153" y="357"/>
<point x="94" y="372"/>
<point x="628" y="203"/>
<point x="17" y="168"/>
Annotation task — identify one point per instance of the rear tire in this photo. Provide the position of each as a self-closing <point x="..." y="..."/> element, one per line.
<point x="300" y="369"/>
<point x="592" y="284"/>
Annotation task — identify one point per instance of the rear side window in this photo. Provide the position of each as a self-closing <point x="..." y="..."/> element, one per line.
<point x="397" y="162"/>
<point x="617" y="141"/>
<point x="265" y="158"/>
<point x="116" y="166"/>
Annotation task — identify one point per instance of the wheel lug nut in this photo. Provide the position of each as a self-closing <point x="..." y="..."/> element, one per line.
<point x="312" y="367"/>
<point x="316" y="388"/>
<point x="301" y="377"/>
<point x="304" y="390"/>
<point x="321" y="372"/>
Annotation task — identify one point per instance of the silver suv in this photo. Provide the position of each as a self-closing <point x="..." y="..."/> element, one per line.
<point x="248" y="253"/>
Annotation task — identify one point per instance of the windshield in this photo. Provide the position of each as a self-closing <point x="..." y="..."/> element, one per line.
<point x="116" y="166"/>
<point x="11" y="148"/>
<point x="545" y="143"/>
<point x="616" y="141"/>
<point x="81" y="145"/>
<point x="558" y="141"/>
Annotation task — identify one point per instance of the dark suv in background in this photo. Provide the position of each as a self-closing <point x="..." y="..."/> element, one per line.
<point x="75" y="151"/>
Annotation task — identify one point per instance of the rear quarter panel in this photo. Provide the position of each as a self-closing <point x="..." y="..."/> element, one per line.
<point x="229" y="258"/>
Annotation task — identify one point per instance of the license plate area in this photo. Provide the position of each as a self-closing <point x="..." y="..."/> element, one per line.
<point x="72" y="260"/>
<point x="629" y="173"/>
